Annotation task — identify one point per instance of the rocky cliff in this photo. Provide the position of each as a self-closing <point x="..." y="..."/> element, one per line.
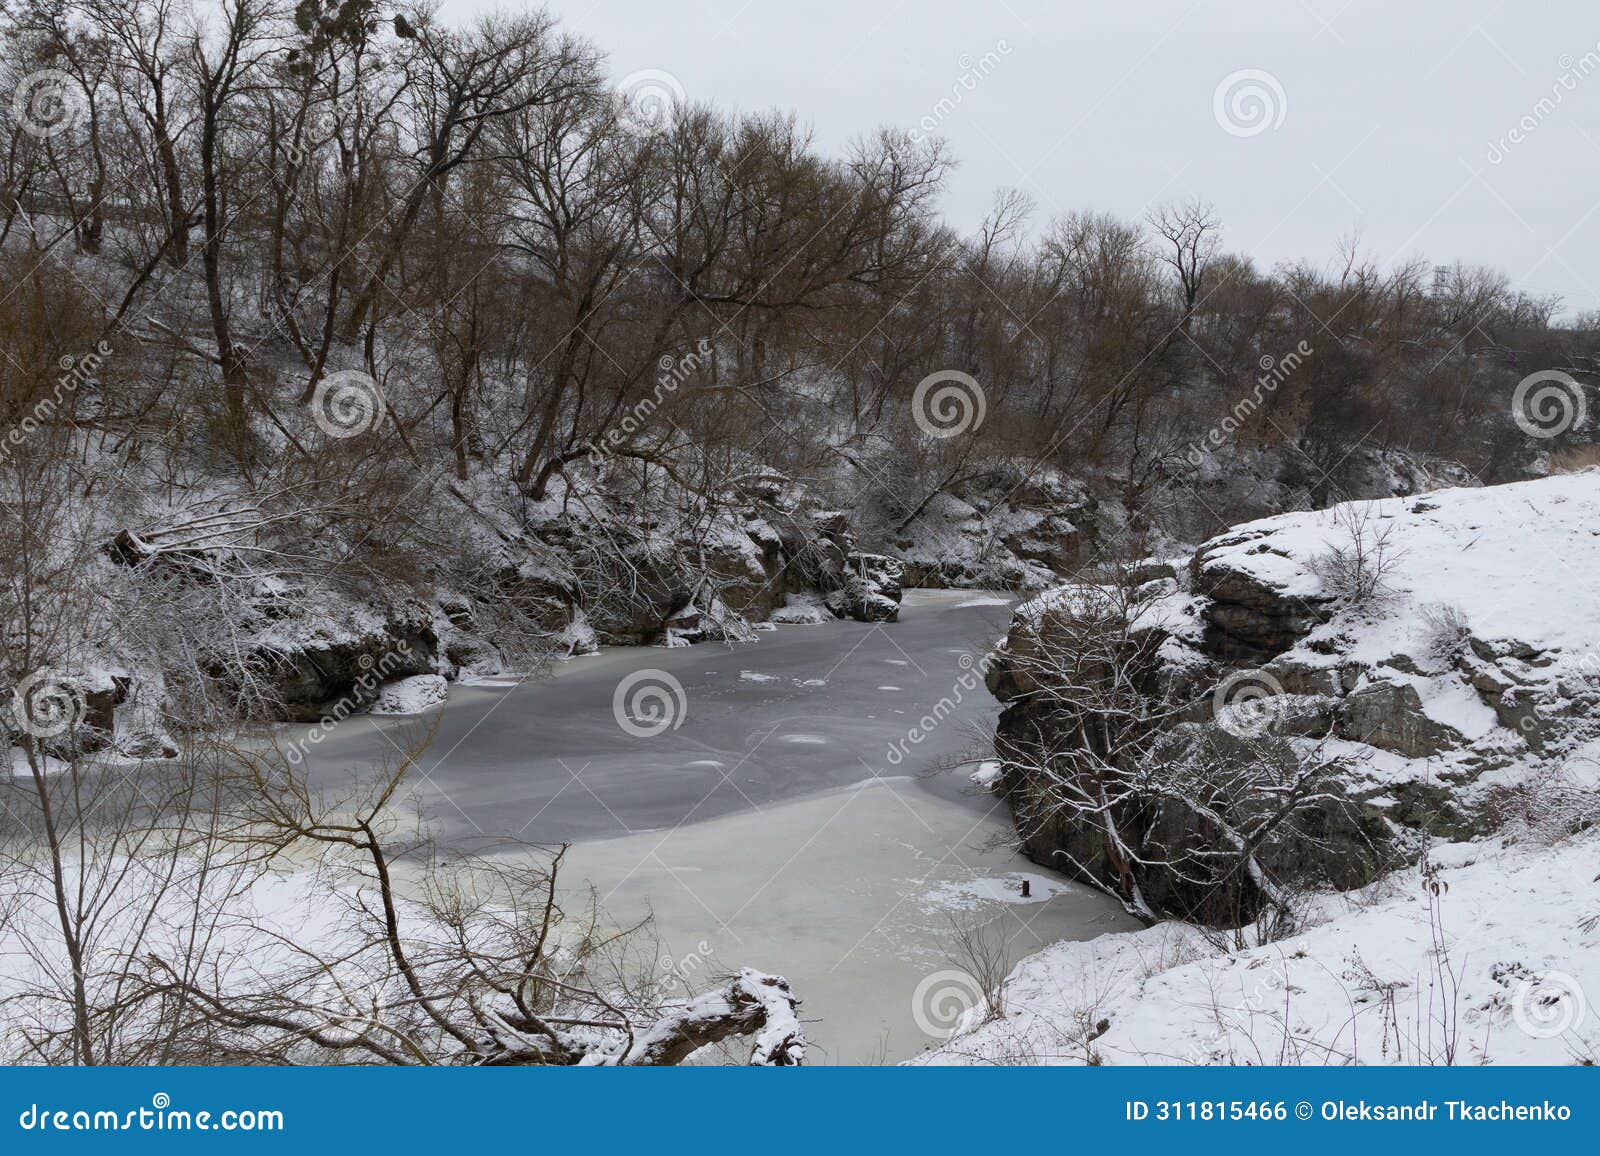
<point x="516" y="585"/>
<point x="1025" y="526"/>
<point x="1439" y="655"/>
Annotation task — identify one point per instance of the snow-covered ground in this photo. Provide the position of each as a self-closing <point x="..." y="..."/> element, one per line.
<point x="1496" y="966"/>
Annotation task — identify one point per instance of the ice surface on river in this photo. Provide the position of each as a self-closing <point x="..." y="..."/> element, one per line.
<point x="770" y="825"/>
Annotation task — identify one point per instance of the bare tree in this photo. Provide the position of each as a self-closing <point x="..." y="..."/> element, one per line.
<point x="1191" y="233"/>
<point x="1171" y="816"/>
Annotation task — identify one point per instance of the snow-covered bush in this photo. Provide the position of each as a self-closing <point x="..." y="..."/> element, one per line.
<point x="1360" y="556"/>
<point x="1445" y="630"/>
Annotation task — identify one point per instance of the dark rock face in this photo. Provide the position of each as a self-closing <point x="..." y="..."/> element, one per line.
<point x="96" y="705"/>
<point x="101" y="703"/>
<point x="999" y="531"/>
<point x="1171" y="875"/>
<point x="309" y="678"/>
<point x="1389" y="716"/>
<point x="1176" y="839"/>
<point x="1398" y="706"/>
<point x="648" y="584"/>
<point x="1251" y="619"/>
<point x="1247" y="609"/>
<point x="608" y="569"/>
<point x="1055" y="542"/>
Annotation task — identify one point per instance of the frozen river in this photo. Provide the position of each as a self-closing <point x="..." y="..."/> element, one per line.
<point x="765" y="823"/>
<point x="801" y="710"/>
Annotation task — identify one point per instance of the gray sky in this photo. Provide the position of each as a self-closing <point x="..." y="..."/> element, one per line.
<point x="1396" y="118"/>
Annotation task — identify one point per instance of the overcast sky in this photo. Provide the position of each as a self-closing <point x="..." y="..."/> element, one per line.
<point x="1395" y="118"/>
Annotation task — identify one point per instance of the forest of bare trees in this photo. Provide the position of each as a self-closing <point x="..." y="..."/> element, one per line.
<point x="244" y="202"/>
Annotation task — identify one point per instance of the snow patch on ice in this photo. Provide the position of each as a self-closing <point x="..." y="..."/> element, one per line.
<point x="971" y="894"/>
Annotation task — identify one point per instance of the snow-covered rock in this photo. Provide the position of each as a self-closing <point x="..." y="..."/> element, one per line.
<point x="1449" y="682"/>
<point x="988" y="774"/>
<point x="1021" y="529"/>
<point x="871" y="589"/>
<point x="801" y="610"/>
<point x="412" y="695"/>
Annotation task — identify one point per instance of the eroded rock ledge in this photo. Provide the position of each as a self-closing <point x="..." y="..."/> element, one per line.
<point x="1463" y="690"/>
<point x="580" y="571"/>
